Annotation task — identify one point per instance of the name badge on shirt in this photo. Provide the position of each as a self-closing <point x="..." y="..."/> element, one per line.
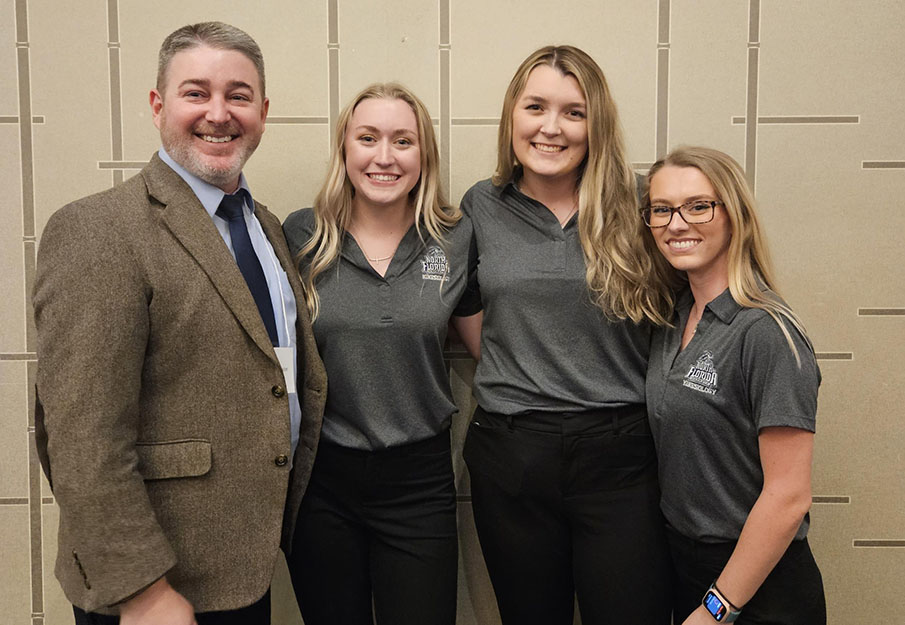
<point x="286" y="356"/>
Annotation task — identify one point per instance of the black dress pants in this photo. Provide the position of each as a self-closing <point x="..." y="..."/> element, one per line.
<point x="378" y="525"/>
<point x="257" y="613"/>
<point x="792" y="594"/>
<point x="568" y="504"/>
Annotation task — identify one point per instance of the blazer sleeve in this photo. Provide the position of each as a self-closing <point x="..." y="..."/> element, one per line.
<point x="91" y="313"/>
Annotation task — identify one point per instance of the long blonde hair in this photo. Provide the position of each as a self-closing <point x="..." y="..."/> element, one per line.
<point x="750" y="265"/>
<point x="333" y="204"/>
<point x="618" y="271"/>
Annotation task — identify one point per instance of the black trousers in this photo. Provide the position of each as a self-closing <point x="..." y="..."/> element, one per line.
<point x="257" y="613"/>
<point x="792" y="594"/>
<point x="568" y="504"/>
<point x="376" y="535"/>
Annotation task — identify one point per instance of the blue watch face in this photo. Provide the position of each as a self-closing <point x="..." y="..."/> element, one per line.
<point x="713" y="605"/>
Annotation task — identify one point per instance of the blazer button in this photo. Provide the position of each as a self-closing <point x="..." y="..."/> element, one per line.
<point x="281" y="460"/>
<point x="278" y="390"/>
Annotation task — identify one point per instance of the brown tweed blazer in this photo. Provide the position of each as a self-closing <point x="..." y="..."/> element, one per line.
<point x="161" y="418"/>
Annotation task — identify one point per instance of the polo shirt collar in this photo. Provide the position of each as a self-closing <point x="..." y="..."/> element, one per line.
<point x="209" y="195"/>
<point x="725" y="307"/>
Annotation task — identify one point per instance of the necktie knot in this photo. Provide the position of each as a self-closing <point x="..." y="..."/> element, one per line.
<point x="231" y="206"/>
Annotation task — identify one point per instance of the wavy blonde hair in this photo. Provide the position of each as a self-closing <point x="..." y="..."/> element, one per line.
<point x="618" y="270"/>
<point x="333" y="204"/>
<point x="750" y="265"/>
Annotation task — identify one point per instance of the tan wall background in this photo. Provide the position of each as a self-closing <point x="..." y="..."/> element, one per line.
<point x="807" y="94"/>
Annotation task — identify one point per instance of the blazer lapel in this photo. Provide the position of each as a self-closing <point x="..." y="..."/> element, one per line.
<point x="187" y="220"/>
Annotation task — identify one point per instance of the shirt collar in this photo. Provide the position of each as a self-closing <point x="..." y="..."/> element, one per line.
<point x="209" y="195"/>
<point x="725" y="307"/>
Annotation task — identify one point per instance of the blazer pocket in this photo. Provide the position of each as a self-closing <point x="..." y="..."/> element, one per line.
<point x="161" y="460"/>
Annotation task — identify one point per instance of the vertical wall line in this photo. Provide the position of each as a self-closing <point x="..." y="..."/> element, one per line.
<point x="751" y="108"/>
<point x="29" y="227"/>
<point x="116" y="106"/>
<point x="663" y="28"/>
<point x="332" y="66"/>
<point x="445" y="95"/>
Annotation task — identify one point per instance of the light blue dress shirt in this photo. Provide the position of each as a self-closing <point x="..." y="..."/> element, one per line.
<point x="281" y="296"/>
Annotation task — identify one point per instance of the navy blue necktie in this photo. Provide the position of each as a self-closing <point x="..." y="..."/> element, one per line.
<point x="231" y="210"/>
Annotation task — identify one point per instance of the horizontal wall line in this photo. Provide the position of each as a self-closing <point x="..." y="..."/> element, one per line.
<point x="864" y="542"/>
<point x="19" y="356"/>
<point x="475" y="121"/>
<point x="14" y="119"/>
<point x="834" y="356"/>
<point x="46" y="499"/>
<point x="882" y="164"/>
<point x="803" y="119"/>
<point x="881" y="312"/>
<point x="121" y="164"/>
<point x="13" y="501"/>
<point x="463" y="498"/>
<point x="298" y="120"/>
<point x="837" y="499"/>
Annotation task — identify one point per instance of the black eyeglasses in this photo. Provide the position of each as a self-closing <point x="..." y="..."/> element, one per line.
<point x="694" y="212"/>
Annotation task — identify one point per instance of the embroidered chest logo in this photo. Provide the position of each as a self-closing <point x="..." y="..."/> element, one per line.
<point x="434" y="265"/>
<point x="702" y="375"/>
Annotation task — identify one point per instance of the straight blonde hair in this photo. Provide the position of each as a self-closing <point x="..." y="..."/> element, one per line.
<point x="750" y="265"/>
<point x="619" y="273"/>
<point x="333" y="204"/>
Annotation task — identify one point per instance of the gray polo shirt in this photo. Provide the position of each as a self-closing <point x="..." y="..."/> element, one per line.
<point x="707" y="404"/>
<point x="545" y="346"/>
<point x="381" y="338"/>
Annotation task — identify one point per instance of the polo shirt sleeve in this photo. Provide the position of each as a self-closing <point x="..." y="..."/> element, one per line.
<point x="780" y="393"/>
<point x="298" y="228"/>
<point x="470" y="302"/>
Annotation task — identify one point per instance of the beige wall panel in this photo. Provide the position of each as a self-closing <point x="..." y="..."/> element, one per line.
<point x="289" y="166"/>
<point x="875" y="426"/>
<point x="57" y="609"/>
<point x="285" y="609"/>
<point x="491" y="39"/>
<point x="812" y="201"/>
<point x="708" y="61"/>
<point x="473" y="155"/>
<point x="69" y="87"/>
<point x="833" y="474"/>
<point x="14" y="451"/>
<point x="15" y="600"/>
<point x="828" y="57"/>
<point x="9" y="102"/>
<point x="379" y="44"/>
<point x="12" y="277"/>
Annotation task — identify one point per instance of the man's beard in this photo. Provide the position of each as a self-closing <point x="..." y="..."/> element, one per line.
<point x="179" y="146"/>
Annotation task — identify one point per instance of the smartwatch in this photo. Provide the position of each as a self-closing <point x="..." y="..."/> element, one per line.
<point x="718" y="606"/>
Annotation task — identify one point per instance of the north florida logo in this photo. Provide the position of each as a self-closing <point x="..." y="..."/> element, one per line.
<point x="701" y="375"/>
<point x="434" y="265"/>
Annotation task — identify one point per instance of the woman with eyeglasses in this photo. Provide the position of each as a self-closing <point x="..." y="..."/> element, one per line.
<point x="732" y="398"/>
<point x="562" y="463"/>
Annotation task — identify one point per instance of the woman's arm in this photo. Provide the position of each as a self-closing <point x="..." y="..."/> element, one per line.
<point x="785" y="455"/>
<point x="469" y="331"/>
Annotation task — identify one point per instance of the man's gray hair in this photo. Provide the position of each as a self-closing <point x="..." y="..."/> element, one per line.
<point x="211" y="34"/>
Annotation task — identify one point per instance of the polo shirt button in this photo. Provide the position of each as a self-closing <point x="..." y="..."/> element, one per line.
<point x="281" y="460"/>
<point x="278" y="390"/>
<point x="384" y="287"/>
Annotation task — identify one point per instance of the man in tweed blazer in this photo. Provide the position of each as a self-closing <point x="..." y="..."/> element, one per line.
<point x="168" y="419"/>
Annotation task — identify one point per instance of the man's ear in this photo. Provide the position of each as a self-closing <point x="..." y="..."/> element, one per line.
<point x="156" y="100"/>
